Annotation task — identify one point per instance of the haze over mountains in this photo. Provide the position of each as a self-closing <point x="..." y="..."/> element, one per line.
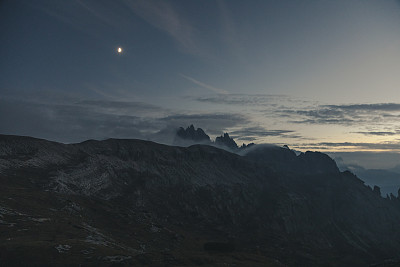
<point x="141" y="203"/>
<point x="190" y="136"/>
<point x="387" y="179"/>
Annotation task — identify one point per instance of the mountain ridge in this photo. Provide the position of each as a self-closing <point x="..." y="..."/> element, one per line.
<point x="201" y="192"/>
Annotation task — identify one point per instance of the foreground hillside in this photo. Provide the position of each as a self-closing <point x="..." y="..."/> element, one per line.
<point x="134" y="202"/>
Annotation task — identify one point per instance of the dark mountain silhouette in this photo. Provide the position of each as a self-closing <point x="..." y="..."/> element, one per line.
<point x="226" y="141"/>
<point x="190" y="136"/>
<point x="388" y="180"/>
<point x="282" y="159"/>
<point x="193" y="134"/>
<point x="134" y="202"/>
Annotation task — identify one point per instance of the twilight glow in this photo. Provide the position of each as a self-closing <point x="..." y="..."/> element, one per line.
<point x="319" y="75"/>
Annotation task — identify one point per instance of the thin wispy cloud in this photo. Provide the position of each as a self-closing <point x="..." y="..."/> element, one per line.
<point x="367" y="107"/>
<point x="345" y="115"/>
<point x="299" y="111"/>
<point x="77" y="119"/>
<point x="164" y="17"/>
<point x="256" y="132"/>
<point x="230" y="34"/>
<point x="381" y="133"/>
<point x="87" y="17"/>
<point x="370" y="120"/>
<point x="244" y="99"/>
<point x="260" y="132"/>
<point x="272" y="122"/>
<point x="204" y="85"/>
<point x="389" y="146"/>
<point x="97" y="14"/>
<point x="63" y="16"/>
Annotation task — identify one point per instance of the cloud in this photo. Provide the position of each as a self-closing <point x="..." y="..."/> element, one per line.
<point x="260" y="132"/>
<point x="68" y="123"/>
<point x="229" y="34"/>
<point x="244" y="138"/>
<point x="286" y="109"/>
<point x="390" y="146"/>
<point x="368" y="159"/>
<point x="243" y="99"/>
<point x="298" y="111"/>
<point x="345" y="115"/>
<point x="78" y="120"/>
<point x="376" y="119"/>
<point x="207" y="86"/>
<point x="379" y="133"/>
<point x="75" y="120"/>
<point x="124" y="107"/>
<point x="346" y="122"/>
<point x="248" y="118"/>
<point x="367" y="107"/>
<point x="210" y="122"/>
<point x="255" y="133"/>
<point x="319" y="115"/>
<point x="164" y="17"/>
<point x="88" y="17"/>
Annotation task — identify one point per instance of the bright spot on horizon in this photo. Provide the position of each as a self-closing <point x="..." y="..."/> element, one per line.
<point x="119" y="50"/>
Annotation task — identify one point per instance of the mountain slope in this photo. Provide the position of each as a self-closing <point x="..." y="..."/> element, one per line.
<point x="137" y="202"/>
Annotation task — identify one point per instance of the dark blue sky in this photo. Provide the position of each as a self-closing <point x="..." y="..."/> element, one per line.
<point x="313" y="74"/>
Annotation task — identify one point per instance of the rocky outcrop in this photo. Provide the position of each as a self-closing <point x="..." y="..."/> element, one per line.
<point x="226" y="141"/>
<point x="192" y="134"/>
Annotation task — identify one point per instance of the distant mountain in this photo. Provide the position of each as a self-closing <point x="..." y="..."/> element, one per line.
<point x="226" y="141"/>
<point x="387" y="180"/>
<point x="191" y="136"/>
<point x="137" y="203"/>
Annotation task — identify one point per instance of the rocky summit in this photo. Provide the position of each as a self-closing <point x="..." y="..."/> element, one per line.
<point x="190" y="135"/>
<point x="134" y="202"/>
<point x="226" y="141"/>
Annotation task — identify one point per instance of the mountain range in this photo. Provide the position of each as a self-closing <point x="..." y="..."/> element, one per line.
<point x="134" y="202"/>
<point x="388" y="180"/>
<point x="191" y="136"/>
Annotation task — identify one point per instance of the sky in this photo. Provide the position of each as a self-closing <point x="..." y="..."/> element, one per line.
<point x="315" y="75"/>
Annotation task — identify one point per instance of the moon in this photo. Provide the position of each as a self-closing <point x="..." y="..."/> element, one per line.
<point x="119" y="50"/>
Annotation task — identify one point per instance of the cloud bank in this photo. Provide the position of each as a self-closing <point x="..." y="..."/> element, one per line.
<point x="258" y="118"/>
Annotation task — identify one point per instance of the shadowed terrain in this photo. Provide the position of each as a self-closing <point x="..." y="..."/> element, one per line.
<point x="134" y="202"/>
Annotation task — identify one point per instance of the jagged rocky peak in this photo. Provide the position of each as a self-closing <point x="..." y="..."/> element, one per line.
<point x="243" y="146"/>
<point x="226" y="140"/>
<point x="192" y="134"/>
